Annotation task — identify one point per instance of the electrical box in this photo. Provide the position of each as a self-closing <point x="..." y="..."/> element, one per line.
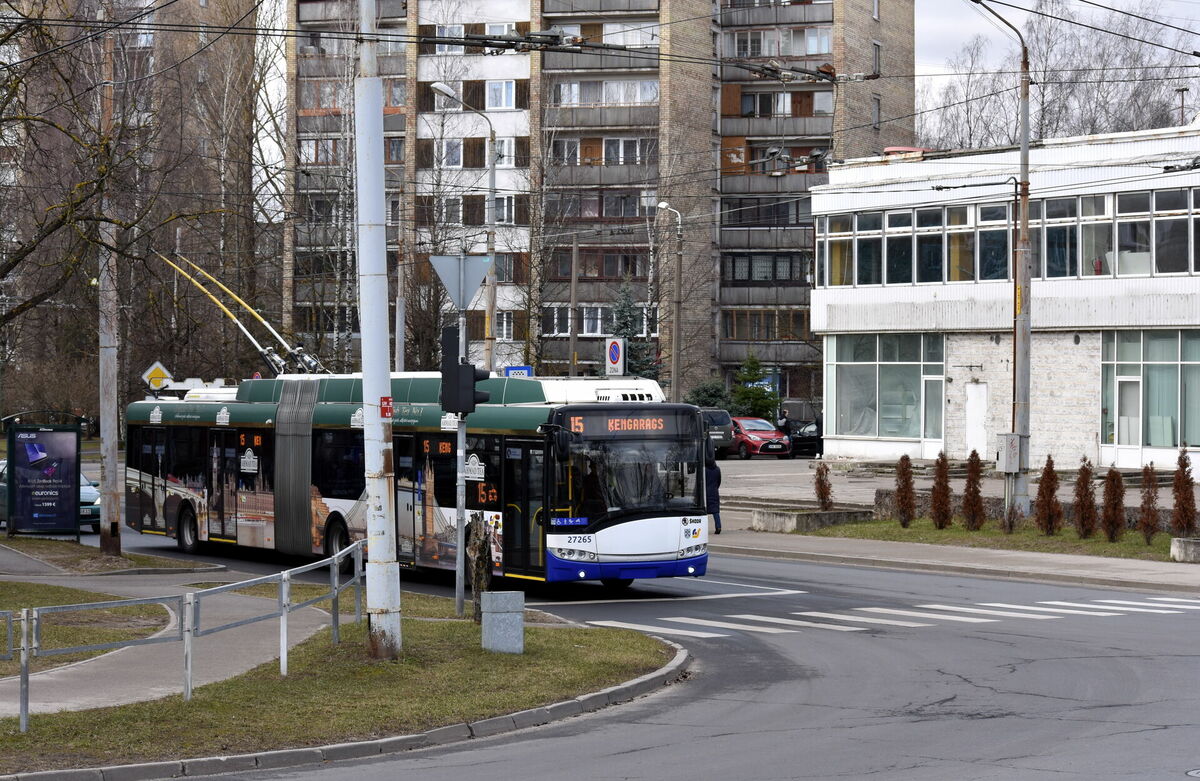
<point x="1008" y="459"/>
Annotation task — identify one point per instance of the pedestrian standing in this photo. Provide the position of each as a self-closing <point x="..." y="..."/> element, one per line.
<point x="712" y="492"/>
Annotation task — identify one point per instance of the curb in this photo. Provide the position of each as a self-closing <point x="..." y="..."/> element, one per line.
<point x="958" y="569"/>
<point x="157" y="570"/>
<point x="454" y="733"/>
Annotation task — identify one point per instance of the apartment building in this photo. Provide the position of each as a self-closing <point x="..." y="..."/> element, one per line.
<point x="603" y="158"/>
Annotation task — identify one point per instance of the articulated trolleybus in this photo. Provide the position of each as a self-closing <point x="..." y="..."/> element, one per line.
<point x="576" y="479"/>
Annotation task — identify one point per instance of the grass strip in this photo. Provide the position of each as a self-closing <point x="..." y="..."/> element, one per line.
<point x="60" y="630"/>
<point x="335" y="693"/>
<point x="75" y="557"/>
<point x="1026" y="537"/>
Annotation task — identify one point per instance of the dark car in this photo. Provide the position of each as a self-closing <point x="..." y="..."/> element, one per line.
<point x="806" y="439"/>
<point x="720" y="429"/>
<point x="757" y="437"/>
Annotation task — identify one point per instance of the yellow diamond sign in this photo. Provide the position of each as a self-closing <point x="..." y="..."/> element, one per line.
<point x="156" y="376"/>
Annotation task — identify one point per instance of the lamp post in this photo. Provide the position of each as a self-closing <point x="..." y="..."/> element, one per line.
<point x="676" y="299"/>
<point x="1018" y="496"/>
<point x="489" y="332"/>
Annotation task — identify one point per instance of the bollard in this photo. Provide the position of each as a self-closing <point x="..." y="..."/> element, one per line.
<point x="24" y="707"/>
<point x="503" y="621"/>
<point x="189" y="627"/>
<point x="285" y="600"/>
<point x="334" y="566"/>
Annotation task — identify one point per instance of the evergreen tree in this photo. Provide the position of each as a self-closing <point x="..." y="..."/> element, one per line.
<point x="748" y="397"/>
<point x="710" y="393"/>
<point x="640" y="360"/>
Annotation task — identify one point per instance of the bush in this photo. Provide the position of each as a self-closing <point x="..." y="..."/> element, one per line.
<point x="1085" y="500"/>
<point x="972" y="506"/>
<point x="1183" y="517"/>
<point x="1148" y="517"/>
<point x="1112" y="517"/>
<point x="823" y="489"/>
<point x="906" y="499"/>
<point x="940" y="507"/>
<point x="1047" y="510"/>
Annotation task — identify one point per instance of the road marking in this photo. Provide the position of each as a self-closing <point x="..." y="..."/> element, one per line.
<point x="662" y="630"/>
<point x="862" y="619"/>
<point x="1147" y="604"/>
<point x="1176" y="599"/>
<point x="937" y="616"/>
<point x="794" y="622"/>
<point x="769" y="630"/>
<point x="781" y="593"/>
<point x="1052" y="609"/>
<point x="1004" y="613"/>
<point x="1111" y="607"/>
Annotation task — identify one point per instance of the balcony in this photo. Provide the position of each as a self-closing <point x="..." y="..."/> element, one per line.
<point x="769" y="353"/>
<point x="767" y="184"/>
<point x="773" y="127"/>
<point x="333" y="11"/>
<point x="770" y="294"/>
<point x="602" y="175"/>
<point x="734" y="72"/>
<point x="772" y="15"/>
<point x="596" y="233"/>
<point x="640" y="59"/>
<point x="793" y="238"/>
<point x="574" y="118"/>
<point x="578" y="7"/>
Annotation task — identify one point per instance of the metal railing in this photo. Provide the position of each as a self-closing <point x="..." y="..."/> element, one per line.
<point x="188" y="607"/>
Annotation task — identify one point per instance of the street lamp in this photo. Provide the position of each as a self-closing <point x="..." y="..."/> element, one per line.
<point x="489" y="332"/>
<point x="676" y="299"/>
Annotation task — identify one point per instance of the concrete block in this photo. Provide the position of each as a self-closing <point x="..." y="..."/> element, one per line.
<point x="290" y="757"/>
<point x="593" y="701"/>
<point x="503" y="621"/>
<point x="143" y="771"/>
<point x="82" y="774"/>
<point x="1185" y="549"/>
<point x="450" y="734"/>
<point x="526" y="718"/>
<point x="804" y="520"/>
<point x="400" y="743"/>
<point x="493" y="726"/>
<point x="365" y="748"/>
<point x="210" y="766"/>
<point x="563" y="710"/>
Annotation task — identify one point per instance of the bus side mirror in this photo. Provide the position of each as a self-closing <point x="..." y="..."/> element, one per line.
<point x="562" y="444"/>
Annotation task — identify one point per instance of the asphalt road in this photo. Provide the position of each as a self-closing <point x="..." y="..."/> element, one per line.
<point x="959" y="695"/>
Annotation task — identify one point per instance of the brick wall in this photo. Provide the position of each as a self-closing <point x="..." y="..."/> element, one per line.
<point x="854" y="31"/>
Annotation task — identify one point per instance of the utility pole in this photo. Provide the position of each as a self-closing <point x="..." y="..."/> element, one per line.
<point x="676" y="302"/>
<point x="1181" y="92"/>
<point x="383" y="571"/>
<point x="489" y="336"/>
<point x="1016" y="490"/>
<point x="108" y="304"/>
<point x="572" y="327"/>
<point x="460" y="465"/>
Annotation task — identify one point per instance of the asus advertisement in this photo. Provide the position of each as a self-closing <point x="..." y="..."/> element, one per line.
<point x="43" y="479"/>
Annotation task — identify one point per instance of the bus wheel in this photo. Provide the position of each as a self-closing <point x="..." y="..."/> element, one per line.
<point x="616" y="584"/>
<point x="185" y="535"/>
<point x="337" y="539"/>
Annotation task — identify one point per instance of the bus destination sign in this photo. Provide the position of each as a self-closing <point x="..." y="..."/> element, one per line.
<point x="624" y="423"/>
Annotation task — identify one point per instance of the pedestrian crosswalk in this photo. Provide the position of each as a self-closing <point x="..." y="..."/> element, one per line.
<point x="919" y="616"/>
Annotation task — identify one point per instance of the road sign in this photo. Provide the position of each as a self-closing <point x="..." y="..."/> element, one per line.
<point x="473" y="469"/>
<point x="156" y="376"/>
<point x="614" y="357"/>
<point x="518" y="371"/>
<point x="385" y="407"/>
<point x="461" y="275"/>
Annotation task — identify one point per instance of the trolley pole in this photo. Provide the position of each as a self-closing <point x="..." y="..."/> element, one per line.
<point x="383" y="570"/>
<point x="108" y="305"/>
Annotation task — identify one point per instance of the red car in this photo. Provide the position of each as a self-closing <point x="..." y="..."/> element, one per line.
<point x="757" y="437"/>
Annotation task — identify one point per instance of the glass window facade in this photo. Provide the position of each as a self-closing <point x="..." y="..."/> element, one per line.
<point x="1150" y="392"/>
<point x="887" y="385"/>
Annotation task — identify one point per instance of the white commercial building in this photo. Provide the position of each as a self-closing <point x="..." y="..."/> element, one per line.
<point x="915" y="300"/>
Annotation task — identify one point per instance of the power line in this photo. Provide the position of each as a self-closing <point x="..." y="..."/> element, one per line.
<point x="1068" y="20"/>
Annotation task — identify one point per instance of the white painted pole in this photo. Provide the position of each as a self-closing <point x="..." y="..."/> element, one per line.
<point x="383" y="571"/>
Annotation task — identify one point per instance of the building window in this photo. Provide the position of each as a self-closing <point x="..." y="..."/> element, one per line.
<point x="887" y="385"/>
<point x="1150" y="388"/>
<point x="876" y="56"/>
<point x="394" y="93"/>
<point x="321" y="95"/>
<point x="320" y="151"/>
<point x="444" y="102"/>
<point x="504" y="267"/>
<point x="875" y="9"/>
<point x="564" y="151"/>
<point x="764" y="325"/>
<point x="498" y="29"/>
<point x="791" y="269"/>
<point x="505" y="153"/>
<point x="504" y="326"/>
<point x="395" y="208"/>
<point x="505" y="206"/>
<point x="760" y="212"/>
<point x="393" y="150"/>
<point x="817" y="40"/>
<point x="876" y="111"/>
<point x="618" y="92"/>
<point x="767" y="104"/>
<point x="822" y="103"/>
<point x="448" y="153"/>
<point x="638" y="34"/>
<point x="448" y="31"/>
<point x="501" y="94"/>
<point x="630" y="151"/>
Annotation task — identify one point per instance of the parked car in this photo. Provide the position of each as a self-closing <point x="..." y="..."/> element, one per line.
<point x="758" y="437"/>
<point x="806" y="439"/>
<point x="720" y="429"/>
<point x="89" y="499"/>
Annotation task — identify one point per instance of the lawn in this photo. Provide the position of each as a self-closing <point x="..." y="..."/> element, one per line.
<point x="335" y="693"/>
<point x="1026" y="537"/>
<point x="66" y="629"/>
<point x="75" y="557"/>
<point x="412" y="604"/>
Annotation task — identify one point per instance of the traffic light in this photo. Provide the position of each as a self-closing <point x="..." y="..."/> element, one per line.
<point x="449" y="367"/>
<point x="467" y="396"/>
<point x="458" y="379"/>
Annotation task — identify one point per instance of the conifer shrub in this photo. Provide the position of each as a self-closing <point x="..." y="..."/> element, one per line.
<point x="972" y="505"/>
<point x="1183" y="517"/>
<point x="1047" y="510"/>
<point x="1085" y="500"/>
<point x="822" y="487"/>
<point x="906" y="498"/>
<point x="1148" y="516"/>
<point x="1112" y="515"/>
<point x="940" y="507"/>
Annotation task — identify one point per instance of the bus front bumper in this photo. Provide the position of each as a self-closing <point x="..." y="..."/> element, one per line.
<point x="562" y="569"/>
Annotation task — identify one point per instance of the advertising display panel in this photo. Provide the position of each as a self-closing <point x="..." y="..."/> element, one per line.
<point x="43" y="478"/>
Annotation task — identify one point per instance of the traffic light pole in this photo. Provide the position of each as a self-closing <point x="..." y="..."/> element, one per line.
<point x="460" y="469"/>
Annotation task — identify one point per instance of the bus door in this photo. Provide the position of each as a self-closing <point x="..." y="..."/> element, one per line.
<point x="152" y="494"/>
<point x="222" y="485"/>
<point x="404" y="449"/>
<point x="523" y="493"/>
